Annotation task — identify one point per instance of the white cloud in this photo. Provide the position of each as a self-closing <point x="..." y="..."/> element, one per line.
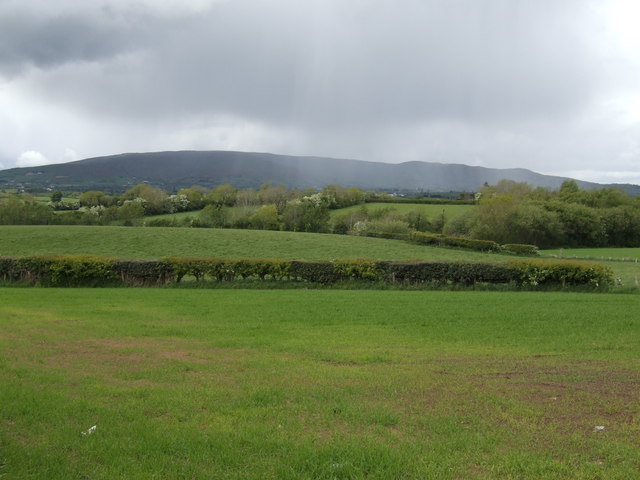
<point x="605" y="177"/>
<point x="69" y="155"/>
<point x="31" y="158"/>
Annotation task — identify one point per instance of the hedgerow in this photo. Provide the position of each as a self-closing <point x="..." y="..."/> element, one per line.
<point x="565" y="273"/>
<point x="460" y="242"/>
<point x="439" y="240"/>
<point x="520" y="249"/>
<point x="76" y="270"/>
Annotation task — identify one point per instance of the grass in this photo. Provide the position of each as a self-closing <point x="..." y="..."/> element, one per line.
<point x="628" y="254"/>
<point x="429" y="210"/>
<point x="133" y="242"/>
<point x="157" y="242"/>
<point x="318" y="384"/>
<point x="623" y="261"/>
<point x="174" y="216"/>
<point x="47" y="199"/>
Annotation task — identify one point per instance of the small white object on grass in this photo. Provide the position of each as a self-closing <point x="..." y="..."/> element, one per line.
<point x="89" y="431"/>
<point x="598" y="428"/>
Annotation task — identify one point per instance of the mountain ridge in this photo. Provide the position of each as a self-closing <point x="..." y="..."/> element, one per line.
<point x="178" y="169"/>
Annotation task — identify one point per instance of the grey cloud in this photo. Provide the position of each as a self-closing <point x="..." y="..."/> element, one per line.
<point x="46" y="38"/>
<point x="326" y="64"/>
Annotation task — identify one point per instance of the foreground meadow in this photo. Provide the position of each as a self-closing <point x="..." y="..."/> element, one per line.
<point x="313" y="384"/>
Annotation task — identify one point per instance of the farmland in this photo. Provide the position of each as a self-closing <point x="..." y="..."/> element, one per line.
<point x="310" y="384"/>
<point x="318" y="384"/>
<point x="627" y="254"/>
<point x="149" y="243"/>
<point x="430" y="210"/>
<point x="132" y="242"/>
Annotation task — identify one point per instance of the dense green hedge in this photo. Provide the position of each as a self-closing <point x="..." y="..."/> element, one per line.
<point x="438" y="240"/>
<point x="565" y="273"/>
<point x="520" y="249"/>
<point x="460" y="242"/>
<point x="82" y="270"/>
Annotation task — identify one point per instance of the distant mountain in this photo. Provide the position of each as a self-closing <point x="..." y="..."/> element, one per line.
<point x="174" y="170"/>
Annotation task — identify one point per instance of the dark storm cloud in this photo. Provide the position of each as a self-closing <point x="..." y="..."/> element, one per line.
<point x="48" y="39"/>
<point x="323" y="63"/>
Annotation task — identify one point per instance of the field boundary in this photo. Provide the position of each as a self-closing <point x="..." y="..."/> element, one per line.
<point x="95" y="271"/>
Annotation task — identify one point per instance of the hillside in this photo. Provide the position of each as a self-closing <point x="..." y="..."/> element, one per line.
<point x="149" y="243"/>
<point x="173" y="170"/>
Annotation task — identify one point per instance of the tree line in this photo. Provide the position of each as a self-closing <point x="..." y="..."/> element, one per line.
<point x="512" y="212"/>
<point x="506" y="213"/>
<point x="270" y="207"/>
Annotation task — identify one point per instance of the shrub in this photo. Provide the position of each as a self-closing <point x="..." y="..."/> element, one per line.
<point x="162" y="222"/>
<point x="6" y="268"/>
<point x="317" y="272"/>
<point x="565" y="273"/>
<point x="144" y="272"/>
<point x="459" y="242"/>
<point x="520" y="249"/>
<point x="60" y="271"/>
<point x="356" y="269"/>
<point x="446" y="272"/>
<point x="386" y="225"/>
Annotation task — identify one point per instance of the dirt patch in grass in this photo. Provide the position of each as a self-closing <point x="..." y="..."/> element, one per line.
<point x="112" y="357"/>
<point x="553" y="397"/>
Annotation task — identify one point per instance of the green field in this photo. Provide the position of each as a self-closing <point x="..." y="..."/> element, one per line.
<point x="174" y="216"/>
<point x="318" y="384"/>
<point x="629" y="254"/>
<point x="134" y="242"/>
<point x="430" y="210"/>
<point x="158" y="242"/>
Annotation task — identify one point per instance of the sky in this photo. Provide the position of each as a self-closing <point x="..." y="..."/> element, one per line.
<point x="548" y="85"/>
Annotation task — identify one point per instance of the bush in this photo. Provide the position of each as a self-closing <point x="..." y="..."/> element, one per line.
<point x="386" y="225"/>
<point x="446" y="272"/>
<point x="356" y="269"/>
<point x="520" y="249"/>
<point x="228" y="270"/>
<point x="61" y="271"/>
<point x="144" y="272"/>
<point x="565" y="273"/>
<point x="459" y="242"/>
<point x="317" y="272"/>
<point x="162" y="222"/>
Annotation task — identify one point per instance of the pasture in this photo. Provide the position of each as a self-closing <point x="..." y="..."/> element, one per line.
<point x="318" y="384"/>
<point x="158" y="242"/>
<point x="430" y="210"/>
<point x="626" y="254"/>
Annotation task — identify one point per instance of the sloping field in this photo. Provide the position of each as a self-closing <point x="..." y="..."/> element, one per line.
<point x="143" y="243"/>
<point x="627" y="254"/>
<point x="134" y="242"/>
<point x="318" y="385"/>
<point x="430" y="210"/>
